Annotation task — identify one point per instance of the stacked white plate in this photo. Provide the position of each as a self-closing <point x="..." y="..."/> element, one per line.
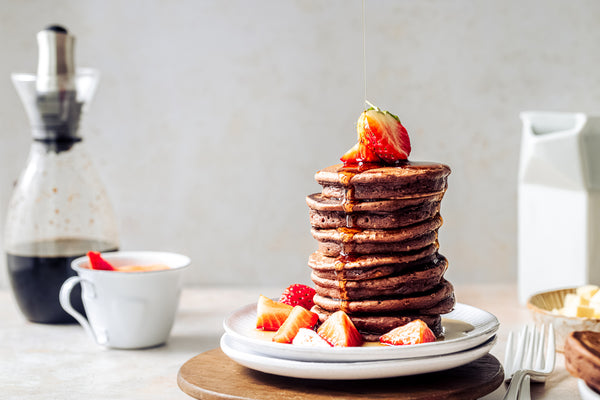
<point x="469" y="333"/>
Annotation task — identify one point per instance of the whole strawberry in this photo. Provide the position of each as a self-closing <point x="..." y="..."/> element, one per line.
<point x="298" y="295"/>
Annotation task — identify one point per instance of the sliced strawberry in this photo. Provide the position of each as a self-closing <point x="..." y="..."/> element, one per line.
<point x="271" y="314"/>
<point x="308" y="337"/>
<point x="338" y="330"/>
<point x="300" y="317"/>
<point x="384" y="134"/>
<point x="360" y="153"/>
<point x="298" y="295"/>
<point x="414" y="332"/>
<point x="97" y="262"/>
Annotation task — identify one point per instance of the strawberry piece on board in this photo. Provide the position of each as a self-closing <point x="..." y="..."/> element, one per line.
<point x="298" y="295"/>
<point x="339" y="331"/>
<point x="97" y="262"/>
<point x="271" y="314"/>
<point x="384" y="134"/>
<point x="300" y="317"/>
<point x="414" y="332"/>
<point x="308" y="337"/>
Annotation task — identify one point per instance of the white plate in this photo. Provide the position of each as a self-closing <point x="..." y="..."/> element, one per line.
<point x="586" y="392"/>
<point x="464" y="328"/>
<point x="349" y="370"/>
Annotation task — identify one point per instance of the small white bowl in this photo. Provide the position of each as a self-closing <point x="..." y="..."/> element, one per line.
<point x="541" y="306"/>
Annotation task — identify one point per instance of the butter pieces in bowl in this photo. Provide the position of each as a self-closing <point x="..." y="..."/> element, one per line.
<point x="568" y="310"/>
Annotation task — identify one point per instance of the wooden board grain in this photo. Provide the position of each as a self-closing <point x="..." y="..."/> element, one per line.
<point x="212" y="375"/>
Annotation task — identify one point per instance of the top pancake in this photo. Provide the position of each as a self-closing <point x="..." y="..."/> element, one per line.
<point x="406" y="179"/>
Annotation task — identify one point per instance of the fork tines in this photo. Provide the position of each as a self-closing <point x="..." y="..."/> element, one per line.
<point x="526" y="352"/>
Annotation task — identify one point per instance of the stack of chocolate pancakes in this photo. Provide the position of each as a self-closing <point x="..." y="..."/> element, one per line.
<point x="378" y="257"/>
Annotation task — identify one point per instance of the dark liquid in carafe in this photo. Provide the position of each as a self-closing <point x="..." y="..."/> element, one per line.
<point x="37" y="270"/>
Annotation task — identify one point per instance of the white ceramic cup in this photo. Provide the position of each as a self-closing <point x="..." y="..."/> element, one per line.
<point x="127" y="310"/>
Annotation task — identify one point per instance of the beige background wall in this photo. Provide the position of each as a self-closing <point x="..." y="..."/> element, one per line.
<point x="212" y="116"/>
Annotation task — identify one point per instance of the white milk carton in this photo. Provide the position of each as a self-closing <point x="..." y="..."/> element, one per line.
<point x="559" y="202"/>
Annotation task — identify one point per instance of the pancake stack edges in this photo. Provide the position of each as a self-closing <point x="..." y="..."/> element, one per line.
<point x="377" y="259"/>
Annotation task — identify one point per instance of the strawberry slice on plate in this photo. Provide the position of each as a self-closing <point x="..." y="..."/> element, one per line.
<point x="300" y="317"/>
<point x="308" y="337"/>
<point x="298" y="295"/>
<point x="339" y="331"/>
<point x="383" y="133"/>
<point x="414" y="332"/>
<point x="270" y="314"/>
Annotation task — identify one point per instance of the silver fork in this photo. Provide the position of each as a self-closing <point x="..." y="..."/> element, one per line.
<point x="525" y="389"/>
<point x="526" y="358"/>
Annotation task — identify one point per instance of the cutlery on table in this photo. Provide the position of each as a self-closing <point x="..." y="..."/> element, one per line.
<point x="525" y="357"/>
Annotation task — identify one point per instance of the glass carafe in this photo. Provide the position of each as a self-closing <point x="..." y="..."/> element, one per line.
<point x="59" y="209"/>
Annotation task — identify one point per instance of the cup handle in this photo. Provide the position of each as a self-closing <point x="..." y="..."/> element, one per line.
<point x="65" y="301"/>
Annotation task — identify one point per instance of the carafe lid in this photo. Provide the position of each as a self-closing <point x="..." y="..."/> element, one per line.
<point x="55" y="96"/>
<point x="56" y="61"/>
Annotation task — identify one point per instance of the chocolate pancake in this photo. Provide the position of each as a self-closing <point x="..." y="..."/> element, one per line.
<point x="329" y="213"/>
<point x="386" y="182"/>
<point x="582" y="357"/>
<point x="440" y="298"/>
<point x="373" y="326"/>
<point x="369" y="266"/>
<point x="406" y="283"/>
<point x="333" y="242"/>
<point x="334" y="249"/>
<point x="319" y="202"/>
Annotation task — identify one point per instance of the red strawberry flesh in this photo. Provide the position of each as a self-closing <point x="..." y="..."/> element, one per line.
<point x="339" y="331"/>
<point x="270" y="314"/>
<point x="360" y="153"/>
<point x="381" y="139"/>
<point x="414" y="332"/>
<point x="384" y="134"/>
<point x="308" y="337"/>
<point x="97" y="262"/>
<point x="298" y="295"/>
<point x="300" y="317"/>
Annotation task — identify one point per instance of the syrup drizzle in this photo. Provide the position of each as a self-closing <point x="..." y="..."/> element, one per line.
<point x="347" y="233"/>
<point x="347" y="254"/>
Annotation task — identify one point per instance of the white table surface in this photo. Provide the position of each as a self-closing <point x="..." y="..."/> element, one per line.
<point x="60" y="362"/>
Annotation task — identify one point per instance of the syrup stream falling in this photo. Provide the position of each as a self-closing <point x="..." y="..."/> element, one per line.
<point x="364" y="34"/>
<point x="364" y="30"/>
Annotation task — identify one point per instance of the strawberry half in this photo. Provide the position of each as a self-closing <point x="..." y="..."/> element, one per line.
<point x="360" y="153"/>
<point x="339" y="331"/>
<point x="270" y="315"/>
<point x="308" y="337"/>
<point x="298" y="295"/>
<point x="97" y="262"/>
<point x="383" y="133"/>
<point x="414" y="332"/>
<point x="300" y="317"/>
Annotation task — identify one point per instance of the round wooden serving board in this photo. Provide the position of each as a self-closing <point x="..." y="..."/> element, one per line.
<point x="212" y="375"/>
